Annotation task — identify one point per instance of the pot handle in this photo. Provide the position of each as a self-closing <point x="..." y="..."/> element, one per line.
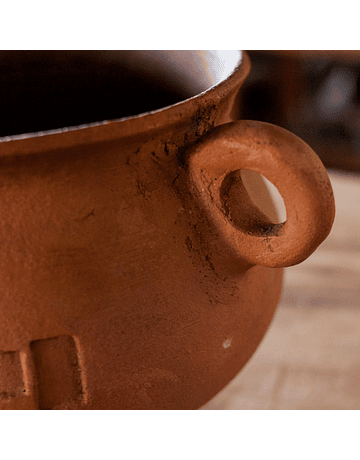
<point x="286" y="161"/>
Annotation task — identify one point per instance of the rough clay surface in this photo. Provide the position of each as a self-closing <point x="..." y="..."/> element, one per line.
<point x="115" y="290"/>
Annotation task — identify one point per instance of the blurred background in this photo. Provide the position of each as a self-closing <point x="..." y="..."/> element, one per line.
<point x="310" y="356"/>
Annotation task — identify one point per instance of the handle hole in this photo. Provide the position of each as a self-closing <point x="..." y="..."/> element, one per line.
<point x="242" y="211"/>
<point x="264" y="195"/>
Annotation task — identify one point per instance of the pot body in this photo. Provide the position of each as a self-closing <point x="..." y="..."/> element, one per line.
<point x="113" y="292"/>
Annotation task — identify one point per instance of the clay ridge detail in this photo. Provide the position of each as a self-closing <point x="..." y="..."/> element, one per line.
<point x="56" y="375"/>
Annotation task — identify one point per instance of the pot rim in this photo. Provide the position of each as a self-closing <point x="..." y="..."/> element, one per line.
<point x="110" y="130"/>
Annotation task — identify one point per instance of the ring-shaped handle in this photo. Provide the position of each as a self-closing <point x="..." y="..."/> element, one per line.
<point x="286" y="161"/>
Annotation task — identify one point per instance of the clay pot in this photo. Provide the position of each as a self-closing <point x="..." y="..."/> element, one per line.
<point x="136" y="272"/>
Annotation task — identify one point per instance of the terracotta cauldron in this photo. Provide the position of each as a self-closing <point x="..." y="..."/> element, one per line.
<point x="136" y="272"/>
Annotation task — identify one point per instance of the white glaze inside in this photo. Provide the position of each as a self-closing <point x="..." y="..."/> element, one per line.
<point x="195" y="71"/>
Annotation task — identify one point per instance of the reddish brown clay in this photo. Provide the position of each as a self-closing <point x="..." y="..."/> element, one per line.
<point x="136" y="273"/>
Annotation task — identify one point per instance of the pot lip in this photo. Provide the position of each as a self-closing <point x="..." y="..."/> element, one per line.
<point x="109" y="130"/>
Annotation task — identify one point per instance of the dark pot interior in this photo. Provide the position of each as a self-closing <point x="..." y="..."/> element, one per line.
<point x="45" y="90"/>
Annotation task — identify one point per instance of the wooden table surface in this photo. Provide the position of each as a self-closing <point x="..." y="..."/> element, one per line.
<point x="310" y="356"/>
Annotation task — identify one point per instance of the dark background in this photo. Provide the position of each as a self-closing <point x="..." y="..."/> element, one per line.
<point x="314" y="94"/>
